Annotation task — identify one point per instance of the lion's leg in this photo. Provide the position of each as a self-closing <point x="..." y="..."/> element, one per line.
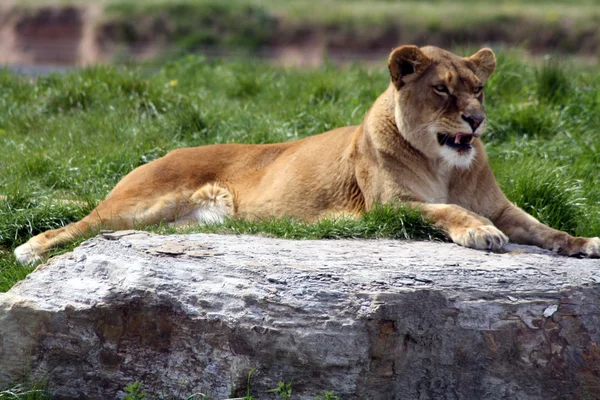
<point x="210" y="203"/>
<point x="464" y="227"/>
<point x="524" y="229"/>
<point x="36" y="247"/>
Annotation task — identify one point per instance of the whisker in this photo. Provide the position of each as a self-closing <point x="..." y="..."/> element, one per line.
<point x="425" y="125"/>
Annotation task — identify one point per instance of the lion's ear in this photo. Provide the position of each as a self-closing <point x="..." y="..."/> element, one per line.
<point x="485" y="63"/>
<point x="406" y="63"/>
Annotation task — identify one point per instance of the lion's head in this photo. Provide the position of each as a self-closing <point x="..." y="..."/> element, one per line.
<point x="439" y="100"/>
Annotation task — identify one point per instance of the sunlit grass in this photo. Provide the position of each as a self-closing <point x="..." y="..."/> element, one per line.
<point x="74" y="136"/>
<point x="385" y="221"/>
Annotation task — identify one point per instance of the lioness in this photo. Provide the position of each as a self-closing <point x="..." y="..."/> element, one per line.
<point x="419" y="143"/>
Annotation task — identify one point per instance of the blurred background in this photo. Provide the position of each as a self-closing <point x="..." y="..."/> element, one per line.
<point x="293" y="32"/>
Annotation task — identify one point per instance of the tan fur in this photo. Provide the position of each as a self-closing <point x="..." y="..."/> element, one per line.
<point x="395" y="154"/>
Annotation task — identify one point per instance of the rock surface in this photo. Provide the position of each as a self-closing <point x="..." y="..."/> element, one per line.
<point x="377" y="319"/>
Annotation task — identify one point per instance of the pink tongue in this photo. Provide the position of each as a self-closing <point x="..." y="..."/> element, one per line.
<point x="461" y="135"/>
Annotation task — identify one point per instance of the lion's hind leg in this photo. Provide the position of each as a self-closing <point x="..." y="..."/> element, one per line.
<point x="209" y="204"/>
<point x="38" y="246"/>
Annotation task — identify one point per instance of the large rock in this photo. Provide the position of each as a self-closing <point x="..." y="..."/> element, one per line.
<point x="367" y="319"/>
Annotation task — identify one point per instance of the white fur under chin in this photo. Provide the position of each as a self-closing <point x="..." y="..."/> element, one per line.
<point x="455" y="159"/>
<point x="451" y="156"/>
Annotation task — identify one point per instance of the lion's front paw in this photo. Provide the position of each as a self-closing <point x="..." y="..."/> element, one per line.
<point x="587" y="247"/>
<point x="591" y="248"/>
<point x="485" y="237"/>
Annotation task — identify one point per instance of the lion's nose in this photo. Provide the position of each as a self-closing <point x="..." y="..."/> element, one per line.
<point x="473" y="120"/>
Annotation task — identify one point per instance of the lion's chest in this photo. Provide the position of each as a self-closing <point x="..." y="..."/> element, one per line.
<point x="432" y="193"/>
<point x="432" y="188"/>
<point x="408" y="184"/>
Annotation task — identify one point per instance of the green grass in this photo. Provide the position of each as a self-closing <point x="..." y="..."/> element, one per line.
<point x="73" y="136"/>
<point x="385" y="221"/>
<point x="26" y="390"/>
<point x="135" y="391"/>
<point x="195" y="25"/>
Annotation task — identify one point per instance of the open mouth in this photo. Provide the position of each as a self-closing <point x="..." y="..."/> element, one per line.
<point x="460" y="142"/>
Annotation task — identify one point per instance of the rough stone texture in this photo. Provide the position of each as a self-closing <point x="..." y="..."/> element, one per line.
<point x="377" y="319"/>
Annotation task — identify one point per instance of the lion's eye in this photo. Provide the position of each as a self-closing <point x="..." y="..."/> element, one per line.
<point x="478" y="90"/>
<point x="441" y="89"/>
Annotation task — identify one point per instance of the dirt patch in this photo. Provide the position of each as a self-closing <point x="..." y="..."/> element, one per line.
<point x="49" y="35"/>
